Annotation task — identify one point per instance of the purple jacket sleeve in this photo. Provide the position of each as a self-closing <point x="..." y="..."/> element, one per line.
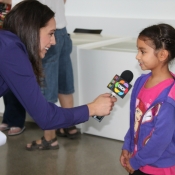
<point x="16" y="73"/>
<point x="127" y="142"/>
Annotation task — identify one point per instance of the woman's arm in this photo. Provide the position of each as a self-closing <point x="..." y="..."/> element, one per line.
<point x="17" y="72"/>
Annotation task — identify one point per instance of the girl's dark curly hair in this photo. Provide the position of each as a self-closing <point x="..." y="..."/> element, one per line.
<point x="161" y="36"/>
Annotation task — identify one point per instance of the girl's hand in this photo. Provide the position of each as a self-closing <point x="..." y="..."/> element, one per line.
<point x="125" y="155"/>
<point x="129" y="168"/>
<point x="124" y="160"/>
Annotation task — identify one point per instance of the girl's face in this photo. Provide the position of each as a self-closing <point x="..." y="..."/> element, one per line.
<point x="47" y="38"/>
<point x="146" y="56"/>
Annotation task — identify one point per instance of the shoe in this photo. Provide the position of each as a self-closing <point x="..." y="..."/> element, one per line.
<point x="15" y="131"/>
<point x="67" y="133"/>
<point x="45" y="145"/>
<point x="4" y="127"/>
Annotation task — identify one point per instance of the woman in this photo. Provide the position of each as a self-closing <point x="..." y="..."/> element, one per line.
<point x="57" y="83"/>
<point x="28" y="34"/>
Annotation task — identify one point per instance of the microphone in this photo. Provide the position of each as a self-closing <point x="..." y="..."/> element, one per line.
<point x="120" y="86"/>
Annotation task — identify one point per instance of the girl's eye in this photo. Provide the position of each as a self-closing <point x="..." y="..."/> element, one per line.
<point x="142" y="52"/>
<point x="51" y="34"/>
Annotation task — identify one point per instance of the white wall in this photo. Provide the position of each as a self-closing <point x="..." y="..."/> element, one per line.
<point x="161" y="9"/>
<point x="118" y="17"/>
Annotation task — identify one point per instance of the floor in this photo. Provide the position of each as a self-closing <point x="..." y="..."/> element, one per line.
<point x="88" y="155"/>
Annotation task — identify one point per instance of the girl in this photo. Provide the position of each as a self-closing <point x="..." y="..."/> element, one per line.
<point x="153" y="152"/>
<point x="28" y="34"/>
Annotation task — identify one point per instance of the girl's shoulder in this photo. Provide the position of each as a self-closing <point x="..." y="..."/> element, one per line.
<point x="143" y="77"/>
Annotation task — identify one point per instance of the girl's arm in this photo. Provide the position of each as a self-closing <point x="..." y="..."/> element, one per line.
<point x="127" y="141"/>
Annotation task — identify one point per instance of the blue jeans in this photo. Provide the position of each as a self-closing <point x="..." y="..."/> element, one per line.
<point x="58" y="79"/>
<point x="58" y="68"/>
<point x="14" y="113"/>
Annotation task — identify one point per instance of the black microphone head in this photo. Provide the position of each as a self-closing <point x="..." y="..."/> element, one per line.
<point x="127" y="75"/>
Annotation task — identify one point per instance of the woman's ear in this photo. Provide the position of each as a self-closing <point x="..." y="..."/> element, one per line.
<point x="163" y="55"/>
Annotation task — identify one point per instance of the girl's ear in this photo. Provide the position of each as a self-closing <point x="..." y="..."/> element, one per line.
<point x="163" y="55"/>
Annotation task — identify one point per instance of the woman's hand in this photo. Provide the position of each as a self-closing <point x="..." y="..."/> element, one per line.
<point x="102" y="105"/>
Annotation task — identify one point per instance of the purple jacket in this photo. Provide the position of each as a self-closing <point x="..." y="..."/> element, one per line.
<point x="16" y="74"/>
<point x="156" y="143"/>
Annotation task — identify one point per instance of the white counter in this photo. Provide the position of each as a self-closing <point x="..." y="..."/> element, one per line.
<point x="96" y="59"/>
<point x="96" y="67"/>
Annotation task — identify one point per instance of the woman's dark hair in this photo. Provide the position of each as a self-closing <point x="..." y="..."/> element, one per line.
<point x="161" y="36"/>
<point x="25" y="20"/>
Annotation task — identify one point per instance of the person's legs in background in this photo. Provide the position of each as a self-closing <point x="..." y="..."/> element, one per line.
<point x="58" y="84"/>
<point x="14" y="115"/>
<point x="58" y="65"/>
<point x="66" y="83"/>
<point x="66" y="101"/>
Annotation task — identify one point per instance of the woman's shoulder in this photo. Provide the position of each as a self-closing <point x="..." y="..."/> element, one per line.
<point x="9" y="40"/>
<point x="7" y="37"/>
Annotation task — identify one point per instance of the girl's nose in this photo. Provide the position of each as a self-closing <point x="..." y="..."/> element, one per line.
<point x="137" y="56"/>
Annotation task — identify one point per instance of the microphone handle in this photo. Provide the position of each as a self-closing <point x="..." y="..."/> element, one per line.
<point x="100" y="118"/>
